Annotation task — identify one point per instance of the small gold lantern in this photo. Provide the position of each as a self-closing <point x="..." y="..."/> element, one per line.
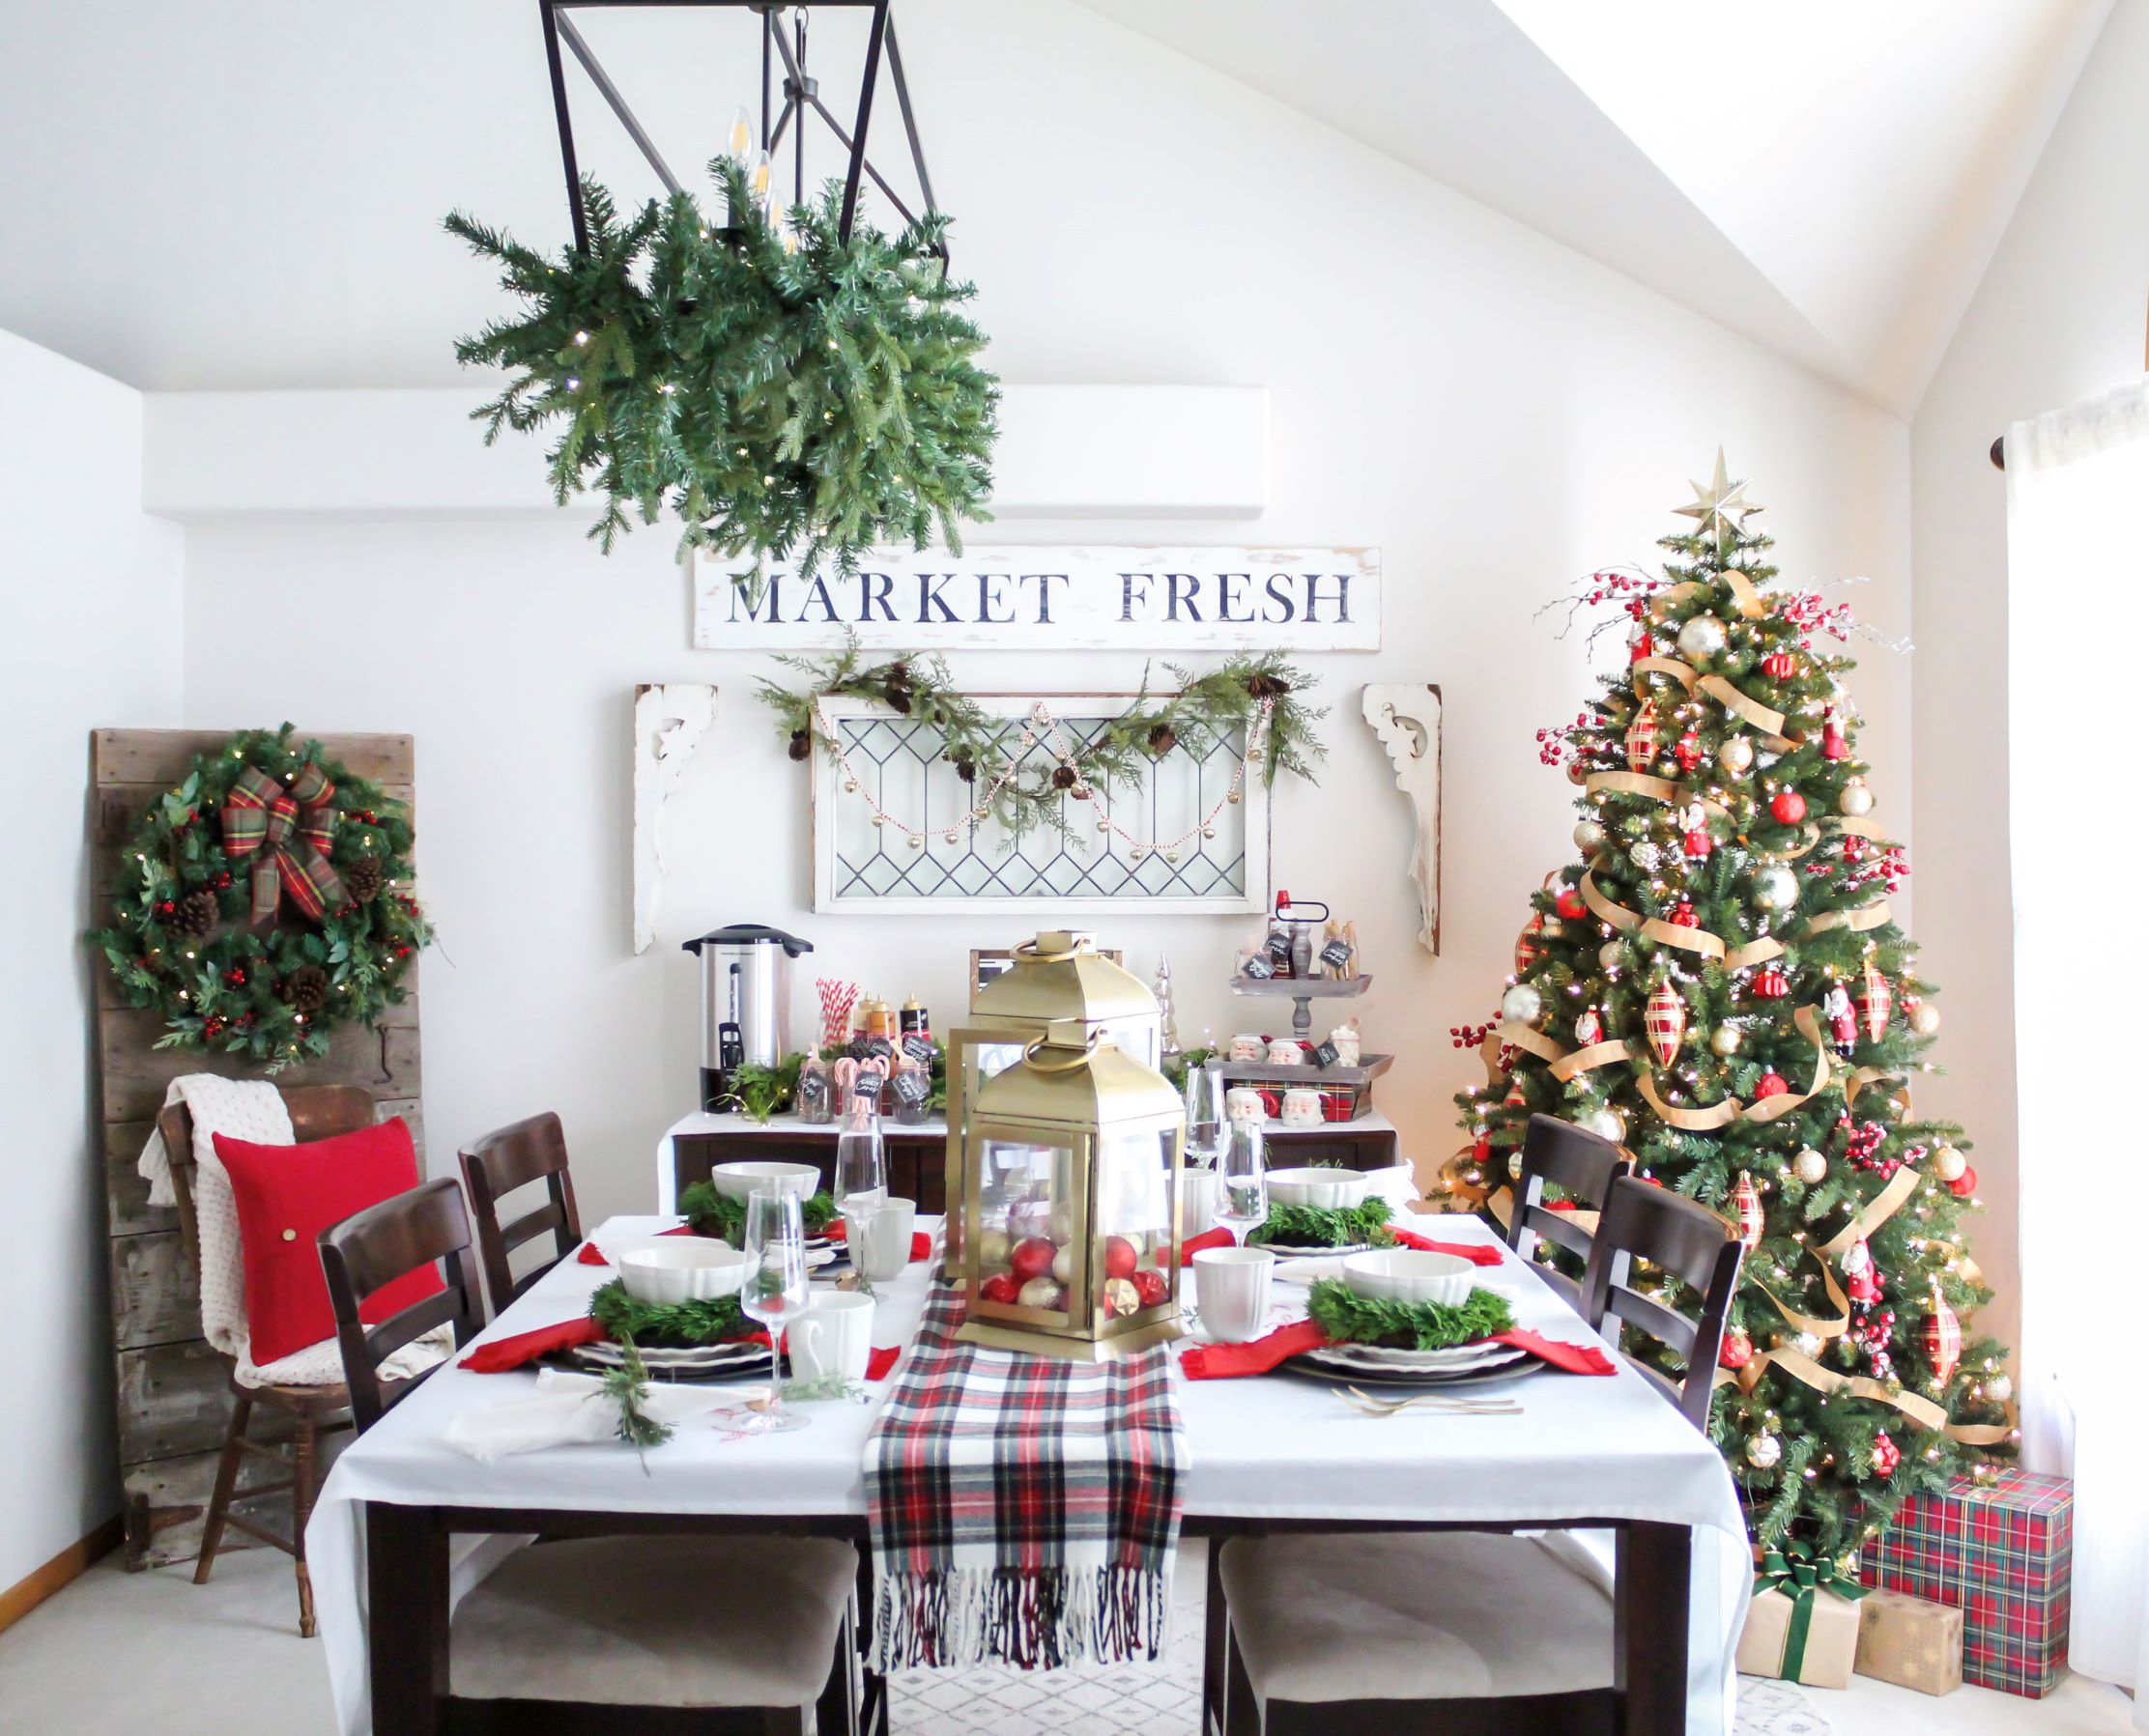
<point x="1058" y="985"/>
<point x="1070" y="1205"/>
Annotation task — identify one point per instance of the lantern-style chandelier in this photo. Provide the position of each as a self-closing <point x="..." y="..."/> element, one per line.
<point x="783" y="47"/>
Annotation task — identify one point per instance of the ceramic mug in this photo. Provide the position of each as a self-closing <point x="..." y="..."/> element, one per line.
<point x="1246" y="1046"/>
<point x="1197" y="1200"/>
<point x="833" y="1335"/>
<point x="1284" y="1051"/>
<point x="1231" y="1290"/>
<point x="1301" y="1107"/>
<point x="1242" y="1103"/>
<point x="879" y="1237"/>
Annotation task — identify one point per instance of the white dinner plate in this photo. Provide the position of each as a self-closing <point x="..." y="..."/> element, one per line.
<point x="1374" y="1357"/>
<point x="1285" y="1251"/>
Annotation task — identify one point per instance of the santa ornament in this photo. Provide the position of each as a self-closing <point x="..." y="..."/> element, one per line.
<point x="1943" y="1339"/>
<point x="1746" y="1211"/>
<point x="1664" y="1023"/>
<point x="1834" y="744"/>
<point x="1589" y="1029"/>
<point x="1886" y="1456"/>
<point x="1861" y="1278"/>
<point x="1875" y="1001"/>
<point x="1641" y="737"/>
<point x="1842" y="1023"/>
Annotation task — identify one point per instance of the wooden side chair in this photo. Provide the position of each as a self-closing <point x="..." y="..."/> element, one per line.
<point x="316" y="1112"/>
<point x="498" y="1165"/>
<point x="623" y="1634"/>
<point x="1582" y="1165"/>
<point x="1468" y="1631"/>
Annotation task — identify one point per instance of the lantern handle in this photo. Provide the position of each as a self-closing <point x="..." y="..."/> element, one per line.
<point x="1028" y="950"/>
<point x="1030" y="1061"/>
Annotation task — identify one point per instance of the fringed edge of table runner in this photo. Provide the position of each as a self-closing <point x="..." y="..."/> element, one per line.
<point x="1032" y="1618"/>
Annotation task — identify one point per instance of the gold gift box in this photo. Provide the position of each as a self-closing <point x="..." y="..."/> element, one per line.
<point x="1910" y="1642"/>
<point x="1831" y="1639"/>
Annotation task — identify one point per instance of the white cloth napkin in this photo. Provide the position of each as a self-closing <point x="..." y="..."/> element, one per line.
<point x="568" y="1410"/>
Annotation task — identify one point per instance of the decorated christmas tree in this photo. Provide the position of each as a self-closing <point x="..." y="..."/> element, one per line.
<point x="1718" y="984"/>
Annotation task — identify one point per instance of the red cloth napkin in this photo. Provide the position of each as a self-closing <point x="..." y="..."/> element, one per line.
<point x="505" y="1354"/>
<point x="883" y="1358"/>
<point x="1225" y="1361"/>
<point x="1218" y="1238"/>
<point x="921" y="1243"/>
<point x="1477" y="1253"/>
<point x="592" y="1255"/>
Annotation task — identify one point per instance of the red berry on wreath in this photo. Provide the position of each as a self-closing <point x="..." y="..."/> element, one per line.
<point x="1788" y="806"/>
<point x="235" y="977"/>
<point x="1569" y="904"/>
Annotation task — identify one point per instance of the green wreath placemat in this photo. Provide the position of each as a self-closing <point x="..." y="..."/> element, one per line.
<point x="265" y="903"/>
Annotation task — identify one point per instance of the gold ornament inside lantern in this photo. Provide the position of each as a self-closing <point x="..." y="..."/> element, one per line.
<point x="1059" y="986"/>
<point x="1069" y="1206"/>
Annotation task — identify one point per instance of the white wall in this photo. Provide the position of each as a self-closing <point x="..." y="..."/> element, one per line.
<point x="2058" y="318"/>
<point x="92" y="641"/>
<point x="1495" y="411"/>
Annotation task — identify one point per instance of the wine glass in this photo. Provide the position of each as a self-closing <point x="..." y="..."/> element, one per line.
<point x="774" y="1291"/>
<point x="1242" y="1179"/>
<point x="1206" y="1130"/>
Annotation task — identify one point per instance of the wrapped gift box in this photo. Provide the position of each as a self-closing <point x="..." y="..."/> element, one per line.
<point x="1910" y="1642"/>
<point x="2002" y="1552"/>
<point x="1831" y="1645"/>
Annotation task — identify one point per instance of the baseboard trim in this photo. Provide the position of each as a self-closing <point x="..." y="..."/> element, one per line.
<point x="34" y="1587"/>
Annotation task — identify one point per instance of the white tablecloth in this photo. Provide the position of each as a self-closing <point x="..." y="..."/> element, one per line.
<point x="1273" y="1448"/>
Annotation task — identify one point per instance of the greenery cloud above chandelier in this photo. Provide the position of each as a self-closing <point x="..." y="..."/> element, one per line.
<point x="788" y="393"/>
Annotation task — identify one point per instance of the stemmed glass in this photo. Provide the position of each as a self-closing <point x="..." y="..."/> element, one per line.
<point x="1241" y="1180"/>
<point x="1206" y="1132"/>
<point x="774" y="1291"/>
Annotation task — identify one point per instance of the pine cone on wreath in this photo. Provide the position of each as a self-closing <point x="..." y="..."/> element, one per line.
<point x="195" y="915"/>
<point x="967" y="770"/>
<point x="1063" y="777"/>
<point x="306" y="989"/>
<point x="802" y="744"/>
<point x="1266" y="687"/>
<point x="363" y="879"/>
<point x="1163" y="739"/>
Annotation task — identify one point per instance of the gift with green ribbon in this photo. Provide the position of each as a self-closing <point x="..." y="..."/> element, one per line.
<point x="1796" y="1596"/>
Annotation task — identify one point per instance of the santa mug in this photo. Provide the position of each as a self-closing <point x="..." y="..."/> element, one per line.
<point x="1284" y="1051"/>
<point x="1246" y="1046"/>
<point x="1242" y="1103"/>
<point x="1301" y="1107"/>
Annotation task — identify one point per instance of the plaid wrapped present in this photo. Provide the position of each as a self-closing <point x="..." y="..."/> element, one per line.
<point x="1023" y="1509"/>
<point x="2002" y="1552"/>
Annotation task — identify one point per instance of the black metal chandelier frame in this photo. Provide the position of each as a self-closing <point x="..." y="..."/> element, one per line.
<point x="801" y="96"/>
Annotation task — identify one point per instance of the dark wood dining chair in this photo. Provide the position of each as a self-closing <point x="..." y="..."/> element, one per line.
<point x="621" y="1635"/>
<point x="1582" y="1166"/>
<point x="1370" y="1636"/>
<point x="501" y="1164"/>
<point x="302" y="1414"/>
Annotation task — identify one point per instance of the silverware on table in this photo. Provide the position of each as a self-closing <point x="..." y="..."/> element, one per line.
<point x="1367" y="1403"/>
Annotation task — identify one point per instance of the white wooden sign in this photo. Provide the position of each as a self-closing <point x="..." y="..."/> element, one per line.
<point x="1060" y="599"/>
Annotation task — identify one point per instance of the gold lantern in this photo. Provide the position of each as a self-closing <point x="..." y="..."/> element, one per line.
<point x="1069" y="1206"/>
<point x="1060" y="986"/>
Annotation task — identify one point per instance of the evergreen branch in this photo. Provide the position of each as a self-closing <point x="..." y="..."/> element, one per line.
<point x="1324" y="1226"/>
<point x="680" y="1326"/>
<point x="1348" y="1318"/>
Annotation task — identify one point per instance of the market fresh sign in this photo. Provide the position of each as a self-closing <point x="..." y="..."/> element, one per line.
<point x="1059" y="599"/>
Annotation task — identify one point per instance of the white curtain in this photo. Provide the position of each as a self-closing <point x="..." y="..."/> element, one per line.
<point x="2078" y="556"/>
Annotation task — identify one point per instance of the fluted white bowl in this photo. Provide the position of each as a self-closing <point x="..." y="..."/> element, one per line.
<point x="1409" y="1275"/>
<point x="682" y="1270"/>
<point x="738" y="1179"/>
<point x="1316" y="1186"/>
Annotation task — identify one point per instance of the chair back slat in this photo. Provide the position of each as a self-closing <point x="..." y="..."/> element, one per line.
<point x="373" y="1248"/>
<point x="1582" y="1165"/>
<point x="495" y="1166"/>
<point x="1685" y="1240"/>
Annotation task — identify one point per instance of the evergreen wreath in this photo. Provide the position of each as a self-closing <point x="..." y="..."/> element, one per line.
<point x="787" y="395"/>
<point x="1348" y="1318"/>
<point x="1204" y="711"/>
<point x="263" y="903"/>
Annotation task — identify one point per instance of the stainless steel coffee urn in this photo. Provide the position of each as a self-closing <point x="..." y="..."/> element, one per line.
<point x="746" y="1002"/>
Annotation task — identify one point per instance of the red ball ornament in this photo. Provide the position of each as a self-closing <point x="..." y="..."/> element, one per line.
<point x="1688" y="751"/>
<point x="1770" y="983"/>
<point x="1151" y="1286"/>
<point x="1772" y="1085"/>
<point x="1737" y="1350"/>
<point x="1886" y="1456"/>
<point x="1788" y="806"/>
<point x="1682" y="913"/>
<point x="1569" y="904"/>
<point x="1120" y="1257"/>
<point x="1779" y="665"/>
<point x="1032" y="1258"/>
<point x="1965" y="1184"/>
<point x="998" y="1287"/>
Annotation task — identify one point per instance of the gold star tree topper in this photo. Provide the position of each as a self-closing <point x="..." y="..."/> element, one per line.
<point x="1720" y="509"/>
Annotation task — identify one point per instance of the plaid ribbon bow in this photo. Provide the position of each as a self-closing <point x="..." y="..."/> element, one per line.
<point x="290" y="831"/>
<point x="1801" y="1577"/>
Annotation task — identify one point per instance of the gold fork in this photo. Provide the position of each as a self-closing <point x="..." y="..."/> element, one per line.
<point x="1368" y="1405"/>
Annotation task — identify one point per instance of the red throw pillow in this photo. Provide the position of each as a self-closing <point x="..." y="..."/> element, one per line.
<point x="287" y="1195"/>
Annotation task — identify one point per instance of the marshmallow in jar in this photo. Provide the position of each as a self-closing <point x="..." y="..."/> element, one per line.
<point x="1301" y="1107"/>
<point x="1345" y="1040"/>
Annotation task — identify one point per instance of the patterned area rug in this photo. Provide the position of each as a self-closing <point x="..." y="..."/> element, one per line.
<point x="1164" y="1699"/>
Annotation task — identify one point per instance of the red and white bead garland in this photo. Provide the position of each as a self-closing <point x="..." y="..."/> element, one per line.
<point x="1043" y="725"/>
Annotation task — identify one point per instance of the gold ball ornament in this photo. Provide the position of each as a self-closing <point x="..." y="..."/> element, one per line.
<point x="1588" y="835"/>
<point x="1810" y="1167"/>
<point x="1924" y="1018"/>
<point x="2000" y="1390"/>
<point x="1605" y="1124"/>
<point x="1948" y="1163"/>
<point x="1703" y="635"/>
<point x="1856" y="799"/>
<point x="1763" y="1452"/>
<point x="1725" y="1039"/>
<point x="1609" y="956"/>
<point x="1775" y="888"/>
<point x="879" y="820"/>
<point x="1521" y="1004"/>
<point x="1233" y="798"/>
<point x="1735" y="755"/>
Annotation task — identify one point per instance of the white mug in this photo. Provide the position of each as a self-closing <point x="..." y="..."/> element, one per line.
<point x="1284" y="1051"/>
<point x="1242" y="1103"/>
<point x="1246" y="1046"/>
<point x="833" y="1335"/>
<point x="1197" y="1200"/>
<point x="1301" y="1107"/>
<point x="1231" y="1291"/>
<point x="879" y="1237"/>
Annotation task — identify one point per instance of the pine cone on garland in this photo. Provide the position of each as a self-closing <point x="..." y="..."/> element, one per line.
<point x="967" y="770"/>
<point x="363" y="879"/>
<point x="195" y="915"/>
<point x="1266" y="687"/>
<point x="306" y="989"/>
<point x="802" y="744"/>
<point x="1063" y="777"/>
<point x="1163" y="739"/>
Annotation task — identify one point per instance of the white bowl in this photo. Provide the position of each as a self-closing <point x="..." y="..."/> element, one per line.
<point x="738" y="1179"/>
<point x="1409" y="1275"/>
<point x="682" y="1270"/>
<point x="1332" y="1187"/>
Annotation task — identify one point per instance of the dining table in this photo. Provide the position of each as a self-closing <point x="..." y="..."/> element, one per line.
<point x="406" y="1522"/>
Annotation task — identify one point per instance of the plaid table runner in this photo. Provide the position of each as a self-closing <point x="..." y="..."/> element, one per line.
<point x="1024" y="1509"/>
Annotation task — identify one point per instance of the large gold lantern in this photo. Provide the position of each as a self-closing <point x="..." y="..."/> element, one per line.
<point x="1069" y="1206"/>
<point x="1058" y="986"/>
